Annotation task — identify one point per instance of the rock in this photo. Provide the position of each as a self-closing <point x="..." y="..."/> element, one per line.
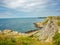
<point x="7" y="31"/>
<point x="38" y="25"/>
<point x="48" y="31"/>
<point x="0" y="31"/>
<point x="42" y="24"/>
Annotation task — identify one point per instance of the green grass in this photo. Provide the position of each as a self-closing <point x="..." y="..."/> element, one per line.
<point x="58" y="22"/>
<point x="20" y="40"/>
<point x="56" y="39"/>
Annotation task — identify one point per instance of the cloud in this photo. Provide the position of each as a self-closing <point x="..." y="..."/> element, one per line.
<point x="13" y="3"/>
<point x="32" y="7"/>
<point x="24" y="4"/>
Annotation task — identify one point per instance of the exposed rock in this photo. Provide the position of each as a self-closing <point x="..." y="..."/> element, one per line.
<point x="48" y="31"/>
<point x="42" y="24"/>
<point x="11" y="33"/>
<point x="6" y="31"/>
<point x="31" y="31"/>
<point x="38" y="24"/>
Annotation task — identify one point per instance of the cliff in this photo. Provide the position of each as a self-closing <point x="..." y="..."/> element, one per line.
<point x="44" y="22"/>
<point x="49" y="29"/>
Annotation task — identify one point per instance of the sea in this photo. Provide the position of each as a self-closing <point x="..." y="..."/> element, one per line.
<point x="19" y="24"/>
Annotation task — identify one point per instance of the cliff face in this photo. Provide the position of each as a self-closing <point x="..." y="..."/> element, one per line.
<point x="42" y="24"/>
<point x="48" y="31"/>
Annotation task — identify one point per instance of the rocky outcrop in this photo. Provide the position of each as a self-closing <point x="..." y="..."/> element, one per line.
<point x="48" y="31"/>
<point x="12" y="33"/>
<point x="42" y="24"/>
<point x="38" y="24"/>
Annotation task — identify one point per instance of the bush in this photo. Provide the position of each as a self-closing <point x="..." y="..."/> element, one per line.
<point x="7" y="42"/>
<point x="56" y="39"/>
<point x="27" y="41"/>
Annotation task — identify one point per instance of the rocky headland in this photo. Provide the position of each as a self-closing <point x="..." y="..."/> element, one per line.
<point x="49" y="27"/>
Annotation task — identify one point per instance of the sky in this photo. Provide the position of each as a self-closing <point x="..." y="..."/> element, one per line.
<point x="29" y="8"/>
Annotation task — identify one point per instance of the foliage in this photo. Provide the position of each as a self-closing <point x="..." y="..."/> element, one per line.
<point x="27" y="41"/>
<point x="20" y="40"/>
<point x="58" y="22"/>
<point x="7" y="42"/>
<point x="56" y="39"/>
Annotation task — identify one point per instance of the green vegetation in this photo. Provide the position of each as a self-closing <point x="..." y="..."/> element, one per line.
<point x="27" y="41"/>
<point x="7" y="42"/>
<point x="58" y="22"/>
<point x="20" y="40"/>
<point x="56" y="18"/>
<point x="45" y="22"/>
<point x="56" y="39"/>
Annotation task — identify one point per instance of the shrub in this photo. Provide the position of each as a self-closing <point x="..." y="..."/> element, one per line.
<point x="56" y="39"/>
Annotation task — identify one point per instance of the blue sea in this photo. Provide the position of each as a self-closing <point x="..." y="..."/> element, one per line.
<point x="18" y="24"/>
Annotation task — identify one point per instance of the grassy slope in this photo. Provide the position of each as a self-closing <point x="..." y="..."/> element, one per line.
<point x="20" y="40"/>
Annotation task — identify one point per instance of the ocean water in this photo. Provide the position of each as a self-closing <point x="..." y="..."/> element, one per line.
<point x="19" y="24"/>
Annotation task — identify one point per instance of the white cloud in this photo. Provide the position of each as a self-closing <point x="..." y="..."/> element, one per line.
<point x="13" y="3"/>
<point x="24" y="4"/>
<point x="29" y="5"/>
